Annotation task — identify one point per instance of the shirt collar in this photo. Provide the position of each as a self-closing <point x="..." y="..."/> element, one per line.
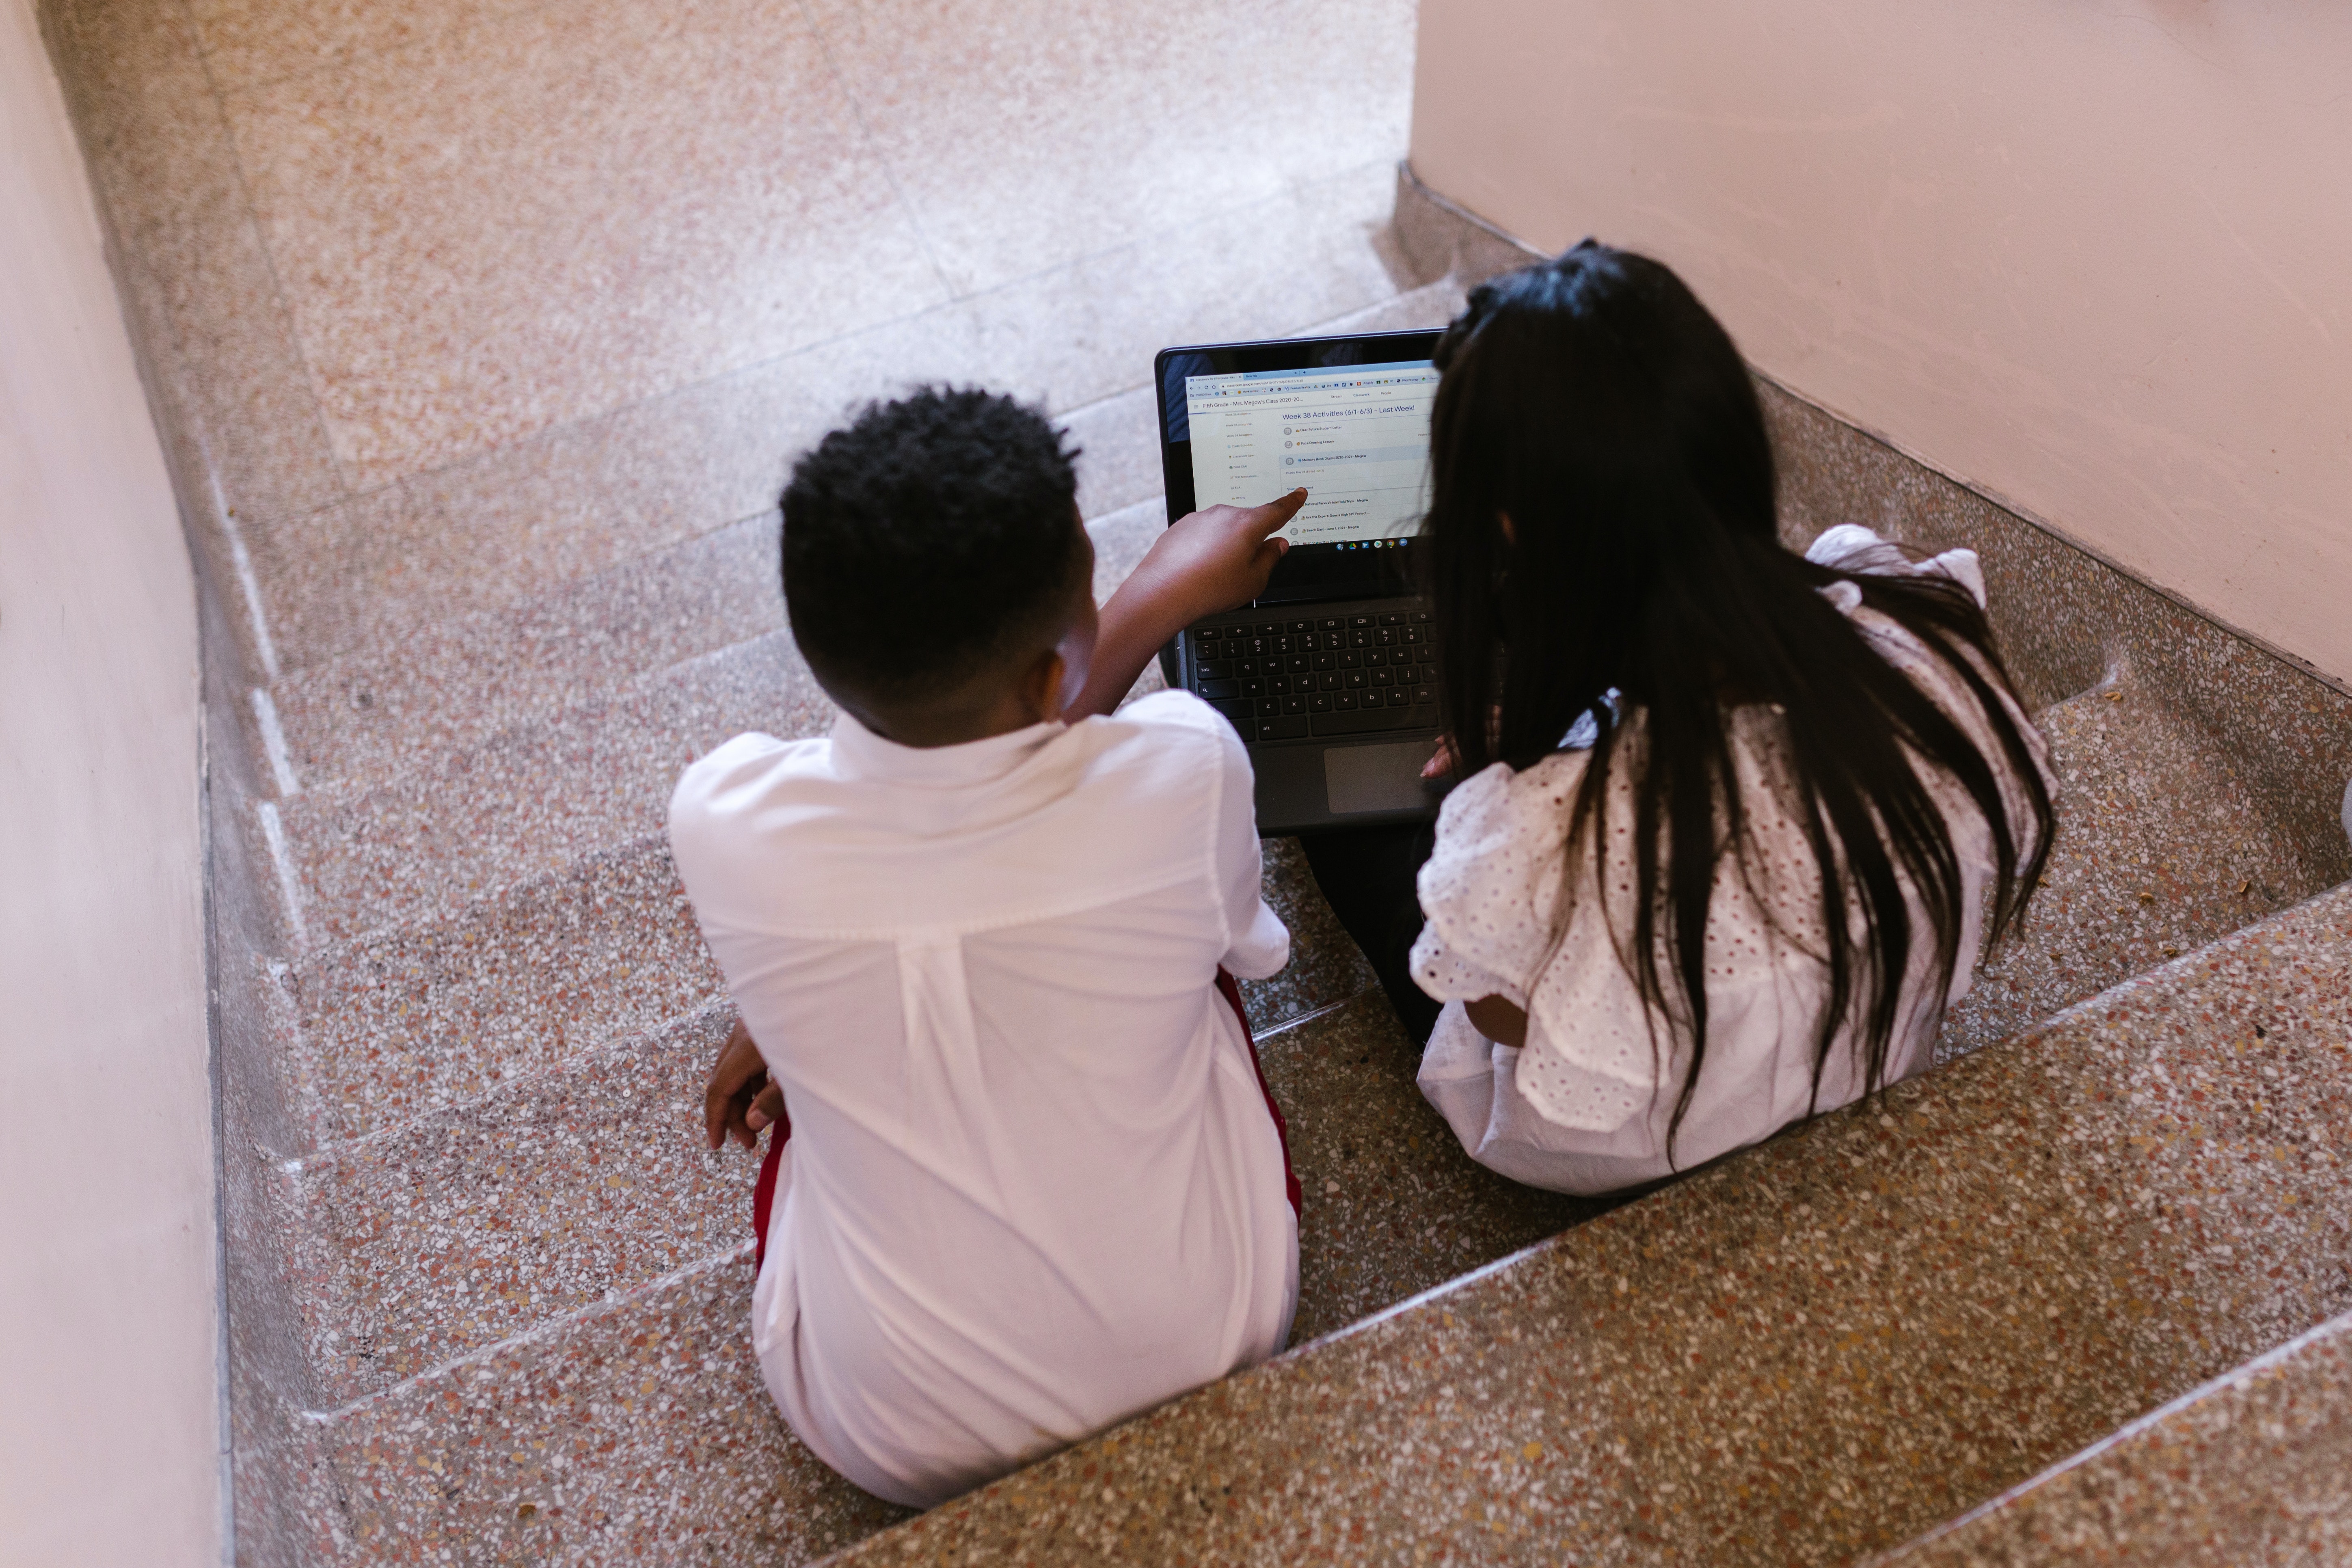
<point x="859" y="752"/>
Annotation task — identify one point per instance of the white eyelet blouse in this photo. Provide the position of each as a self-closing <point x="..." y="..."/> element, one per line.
<point x="1583" y="1106"/>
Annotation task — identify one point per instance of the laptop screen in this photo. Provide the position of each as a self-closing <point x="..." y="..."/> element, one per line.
<point x="1356" y="436"/>
<point x="1355" y="410"/>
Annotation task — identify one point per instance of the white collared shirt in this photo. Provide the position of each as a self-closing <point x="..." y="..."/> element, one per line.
<point x="1032" y="1187"/>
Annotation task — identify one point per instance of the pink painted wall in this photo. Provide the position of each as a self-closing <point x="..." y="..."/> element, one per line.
<point x="2096" y="258"/>
<point x="109" y="1413"/>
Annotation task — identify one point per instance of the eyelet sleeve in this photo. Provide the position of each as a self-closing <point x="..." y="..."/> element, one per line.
<point x="1492" y="881"/>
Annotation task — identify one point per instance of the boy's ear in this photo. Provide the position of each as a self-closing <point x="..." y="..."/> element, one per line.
<point x="1041" y="686"/>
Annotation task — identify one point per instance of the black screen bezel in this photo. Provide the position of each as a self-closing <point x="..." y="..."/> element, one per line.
<point x="1307" y="571"/>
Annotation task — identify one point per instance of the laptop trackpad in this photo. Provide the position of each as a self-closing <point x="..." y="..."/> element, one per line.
<point x="1376" y="778"/>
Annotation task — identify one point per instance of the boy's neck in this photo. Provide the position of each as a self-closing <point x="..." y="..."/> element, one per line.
<point x="996" y="703"/>
<point x="929" y="730"/>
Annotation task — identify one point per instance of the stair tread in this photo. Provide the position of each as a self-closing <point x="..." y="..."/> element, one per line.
<point x="425" y="1243"/>
<point x="433" y="685"/>
<point x="501" y="527"/>
<point x="635" y="1431"/>
<point x="529" y="801"/>
<point x="453" y="684"/>
<point x="2160" y="848"/>
<point x="406" y="1022"/>
<point x="421" y="1019"/>
<point x="2255" y="1467"/>
<point x="448" y="1235"/>
<point x="504" y="1166"/>
<point x="679" y="1344"/>
<point x="1915" y="1304"/>
<point x="1818" y="1349"/>
<point x="533" y="801"/>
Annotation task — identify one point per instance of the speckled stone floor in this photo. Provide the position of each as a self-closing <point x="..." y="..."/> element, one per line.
<point x="481" y="334"/>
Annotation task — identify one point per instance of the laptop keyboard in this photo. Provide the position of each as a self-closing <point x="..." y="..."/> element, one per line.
<point x="1318" y="671"/>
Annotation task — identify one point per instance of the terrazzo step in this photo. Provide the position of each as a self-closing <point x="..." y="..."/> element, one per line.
<point x="440" y="686"/>
<point x="622" y="1419"/>
<point x="415" y="1021"/>
<point x="532" y="799"/>
<point x="2161" y="848"/>
<point x="1815" y="1351"/>
<point x="528" y="1191"/>
<point x="452" y="685"/>
<point x="421" y="1245"/>
<point x="2253" y="1468"/>
<point x="498" y="526"/>
<point x="422" y="1022"/>
<point x="530" y="802"/>
<point x="1983" y="1257"/>
<point x="366" y="718"/>
<point x="634" y="1431"/>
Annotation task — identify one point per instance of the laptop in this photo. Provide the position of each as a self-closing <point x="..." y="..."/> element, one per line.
<point x="1330" y="675"/>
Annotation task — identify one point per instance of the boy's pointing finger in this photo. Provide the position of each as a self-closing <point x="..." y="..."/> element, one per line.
<point x="1278" y="511"/>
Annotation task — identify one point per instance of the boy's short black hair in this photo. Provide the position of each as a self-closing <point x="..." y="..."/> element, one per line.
<point x="927" y="539"/>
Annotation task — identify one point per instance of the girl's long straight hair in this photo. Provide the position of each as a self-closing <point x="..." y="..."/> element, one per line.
<point x="1594" y="403"/>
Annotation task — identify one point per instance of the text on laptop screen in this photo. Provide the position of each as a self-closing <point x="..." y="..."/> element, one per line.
<point x="1356" y="436"/>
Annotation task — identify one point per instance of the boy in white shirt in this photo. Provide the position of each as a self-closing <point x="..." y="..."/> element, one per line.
<point x="1031" y="1182"/>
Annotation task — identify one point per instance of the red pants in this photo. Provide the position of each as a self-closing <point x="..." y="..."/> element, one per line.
<point x="763" y="1192"/>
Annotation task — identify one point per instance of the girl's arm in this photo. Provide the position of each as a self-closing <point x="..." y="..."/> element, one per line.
<point x="1500" y="1020"/>
<point x="1208" y="561"/>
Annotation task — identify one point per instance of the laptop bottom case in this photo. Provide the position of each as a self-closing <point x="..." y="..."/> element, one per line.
<point x="1337" y="702"/>
<point x="1305" y="786"/>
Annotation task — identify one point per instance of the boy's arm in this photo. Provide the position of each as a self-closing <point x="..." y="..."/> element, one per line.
<point x="1256" y="943"/>
<point x="1207" y="560"/>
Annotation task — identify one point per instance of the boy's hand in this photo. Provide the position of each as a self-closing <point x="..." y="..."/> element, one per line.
<point x="1215" y="558"/>
<point x="742" y="1098"/>
<point x="1206" y="562"/>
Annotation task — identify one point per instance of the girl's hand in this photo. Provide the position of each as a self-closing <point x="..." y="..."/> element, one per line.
<point x="1446" y="759"/>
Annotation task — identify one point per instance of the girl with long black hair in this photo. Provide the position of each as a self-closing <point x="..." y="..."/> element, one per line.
<point x="1732" y="822"/>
